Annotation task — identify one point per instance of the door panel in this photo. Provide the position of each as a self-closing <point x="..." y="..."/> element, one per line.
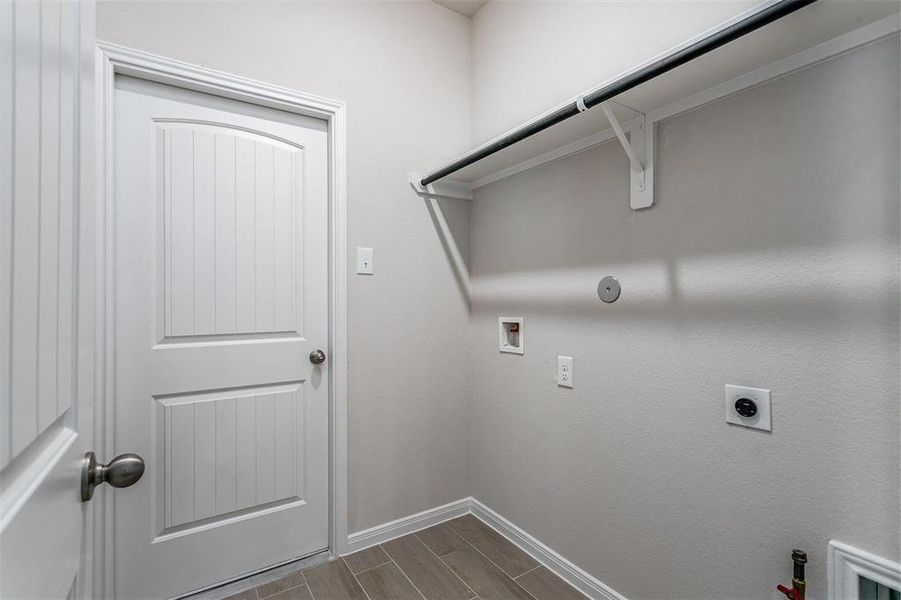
<point x="42" y="519"/>
<point x="38" y="236"/>
<point x="252" y="438"/>
<point x="44" y="99"/>
<point x="221" y="294"/>
<point x="231" y="231"/>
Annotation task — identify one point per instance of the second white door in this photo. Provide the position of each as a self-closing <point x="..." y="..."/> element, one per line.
<point x="221" y="295"/>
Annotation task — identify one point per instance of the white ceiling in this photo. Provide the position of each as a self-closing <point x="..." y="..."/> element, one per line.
<point x="465" y="7"/>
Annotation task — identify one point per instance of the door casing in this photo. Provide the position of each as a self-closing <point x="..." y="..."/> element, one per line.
<point x="113" y="60"/>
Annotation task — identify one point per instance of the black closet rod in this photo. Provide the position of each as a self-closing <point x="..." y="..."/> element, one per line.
<point x="667" y="63"/>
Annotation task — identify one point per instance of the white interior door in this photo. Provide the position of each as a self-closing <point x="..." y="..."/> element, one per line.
<point x="221" y="295"/>
<point x="46" y="308"/>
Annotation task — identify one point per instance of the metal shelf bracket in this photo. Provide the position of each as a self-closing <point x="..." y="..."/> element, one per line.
<point x="640" y="147"/>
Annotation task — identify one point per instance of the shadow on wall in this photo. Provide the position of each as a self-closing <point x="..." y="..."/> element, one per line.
<point x="786" y="214"/>
<point x="451" y="222"/>
<point x="791" y="286"/>
<point x="771" y="259"/>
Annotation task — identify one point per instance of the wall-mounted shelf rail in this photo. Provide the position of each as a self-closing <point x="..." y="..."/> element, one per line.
<point x="746" y="53"/>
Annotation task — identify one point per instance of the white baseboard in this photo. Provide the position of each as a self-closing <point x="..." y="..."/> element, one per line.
<point x="563" y="568"/>
<point x="405" y="525"/>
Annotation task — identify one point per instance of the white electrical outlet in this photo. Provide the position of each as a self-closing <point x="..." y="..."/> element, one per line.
<point x="749" y="407"/>
<point x="364" y="261"/>
<point x="565" y="371"/>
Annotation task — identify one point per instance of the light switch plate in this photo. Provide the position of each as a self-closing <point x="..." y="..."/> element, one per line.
<point x="565" y="371"/>
<point x="364" y="261"/>
<point x="762" y="420"/>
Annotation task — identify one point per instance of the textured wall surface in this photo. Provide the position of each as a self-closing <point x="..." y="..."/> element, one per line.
<point x="531" y="55"/>
<point x="770" y="260"/>
<point x="408" y="382"/>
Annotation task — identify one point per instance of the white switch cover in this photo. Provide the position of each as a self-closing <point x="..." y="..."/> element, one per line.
<point x="364" y="261"/>
<point x="761" y="420"/>
<point x="565" y="371"/>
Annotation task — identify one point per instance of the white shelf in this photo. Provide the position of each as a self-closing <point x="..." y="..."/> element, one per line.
<point x="812" y="34"/>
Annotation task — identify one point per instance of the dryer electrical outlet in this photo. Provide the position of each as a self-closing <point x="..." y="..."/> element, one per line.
<point x="748" y="407"/>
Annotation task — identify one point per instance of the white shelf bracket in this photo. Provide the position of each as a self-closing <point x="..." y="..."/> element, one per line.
<point x="446" y="188"/>
<point x="640" y="147"/>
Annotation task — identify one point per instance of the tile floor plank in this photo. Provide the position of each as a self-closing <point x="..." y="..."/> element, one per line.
<point x="544" y="585"/>
<point x="427" y="572"/>
<point x="285" y="583"/>
<point x="386" y="582"/>
<point x="366" y="559"/>
<point x="488" y="581"/>
<point x="296" y="593"/>
<point x="250" y="594"/>
<point x="441" y="540"/>
<point x="497" y="548"/>
<point x="333" y="581"/>
<point x="461" y="559"/>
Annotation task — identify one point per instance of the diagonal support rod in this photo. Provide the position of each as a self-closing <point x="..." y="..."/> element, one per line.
<point x="634" y="160"/>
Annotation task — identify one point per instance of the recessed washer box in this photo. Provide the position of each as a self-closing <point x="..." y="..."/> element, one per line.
<point x="510" y="334"/>
<point x="748" y="407"/>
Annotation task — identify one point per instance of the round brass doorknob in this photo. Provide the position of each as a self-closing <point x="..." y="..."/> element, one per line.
<point x="317" y="357"/>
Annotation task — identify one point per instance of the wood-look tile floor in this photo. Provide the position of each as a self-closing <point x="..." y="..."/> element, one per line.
<point x="462" y="559"/>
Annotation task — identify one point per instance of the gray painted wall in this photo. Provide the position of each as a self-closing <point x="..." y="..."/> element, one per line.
<point x="408" y="381"/>
<point x="770" y="260"/>
<point x="531" y="55"/>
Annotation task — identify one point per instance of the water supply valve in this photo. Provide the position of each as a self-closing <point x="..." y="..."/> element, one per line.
<point x="799" y="584"/>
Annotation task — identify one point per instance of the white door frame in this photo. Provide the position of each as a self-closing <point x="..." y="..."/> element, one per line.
<point x="112" y="60"/>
